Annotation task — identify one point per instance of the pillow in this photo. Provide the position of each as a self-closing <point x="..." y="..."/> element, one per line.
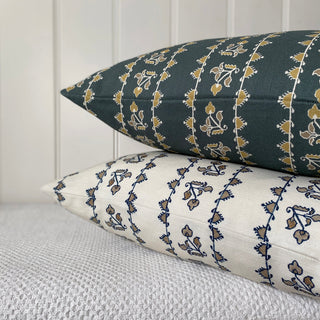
<point x="259" y="224"/>
<point x="251" y="100"/>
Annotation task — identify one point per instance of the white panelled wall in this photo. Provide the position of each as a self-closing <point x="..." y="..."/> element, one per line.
<point x="46" y="45"/>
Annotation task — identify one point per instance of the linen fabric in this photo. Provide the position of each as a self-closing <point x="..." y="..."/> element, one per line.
<point x="55" y="266"/>
<point x="251" y="100"/>
<point x="260" y="224"/>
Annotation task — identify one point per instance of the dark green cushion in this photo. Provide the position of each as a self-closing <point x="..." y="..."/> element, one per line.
<point x="252" y="100"/>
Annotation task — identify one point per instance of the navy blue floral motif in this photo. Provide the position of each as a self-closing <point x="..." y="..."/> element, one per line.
<point x="140" y="178"/>
<point x="215" y="169"/>
<point x="118" y="176"/>
<point x="261" y="232"/>
<point x="195" y="190"/>
<point x="164" y="204"/>
<point x="136" y="158"/>
<point x="91" y="192"/>
<point x="312" y="191"/>
<point x="299" y="214"/>
<point x="61" y="185"/>
<point x="192" y="246"/>
<point x="305" y="285"/>
<point x="57" y="190"/>
<point x="217" y="216"/>
<point x="115" y="220"/>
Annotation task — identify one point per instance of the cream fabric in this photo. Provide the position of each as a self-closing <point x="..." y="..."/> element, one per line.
<point x="55" y="266"/>
<point x="260" y="224"/>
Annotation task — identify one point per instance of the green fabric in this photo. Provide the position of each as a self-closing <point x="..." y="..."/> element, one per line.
<point x="252" y="100"/>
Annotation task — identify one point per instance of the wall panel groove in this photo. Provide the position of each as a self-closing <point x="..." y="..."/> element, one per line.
<point x="174" y="22"/>
<point x="230" y="18"/>
<point x="116" y="24"/>
<point x="56" y="39"/>
<point x="285" y="15"/>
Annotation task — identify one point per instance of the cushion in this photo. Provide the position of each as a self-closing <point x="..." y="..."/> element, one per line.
<point x="257" y="223"/>
<point x="252" y="100"/>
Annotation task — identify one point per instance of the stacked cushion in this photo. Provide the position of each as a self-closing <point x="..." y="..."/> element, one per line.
<point x="252" y="100"/>
<point x="260" y="224"/>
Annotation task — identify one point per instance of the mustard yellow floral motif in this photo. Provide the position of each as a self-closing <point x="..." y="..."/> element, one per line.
<point x="242" y="97"/>
<point x="117" y="97"/>
<point x="234" y="49"/>
<point x="223" y="72"/>
<point x="156" y="57"/>
<point x="143" y="81"/>
<point x="137" y="118"/>
<point x="218" y="150"/>
<point x="316" y="73"/>
<point x="286" y="101"/>
<point x="146" y="140"/>
<point x="213" y="123"/>
<point x="191" y="98"/>
<point x="157" y="95"/>
<point x="80" y="83"/>
<point x="317" y="94"/>
<point x="70" y="88"/>
<point x="88" y="93"/>
<point x="312" y="134"/>
<point x="313" y="161"/>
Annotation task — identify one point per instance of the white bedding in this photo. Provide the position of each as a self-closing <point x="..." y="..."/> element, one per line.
<point x="54" y="265"/>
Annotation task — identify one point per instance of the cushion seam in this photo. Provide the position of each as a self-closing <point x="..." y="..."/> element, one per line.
<point x="198" y="98"/>
<point x="223" y="228"/>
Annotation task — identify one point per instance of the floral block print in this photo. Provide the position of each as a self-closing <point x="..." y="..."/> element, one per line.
<point x="256" y="223"/>
<point x="253" y="100"/>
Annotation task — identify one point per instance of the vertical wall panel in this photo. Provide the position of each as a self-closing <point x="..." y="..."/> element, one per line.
<point x="201" y="19"/>
<point x="285" y="15"/>
<point x="304" y="14"/>
<point x="26" y="128"/>
<point x="85" y="37"/>
<point x="145" y="26"/>
<point x="252" y="16"/>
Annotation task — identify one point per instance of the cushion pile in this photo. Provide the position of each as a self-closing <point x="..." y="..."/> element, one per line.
<point x="227" y="106"/>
